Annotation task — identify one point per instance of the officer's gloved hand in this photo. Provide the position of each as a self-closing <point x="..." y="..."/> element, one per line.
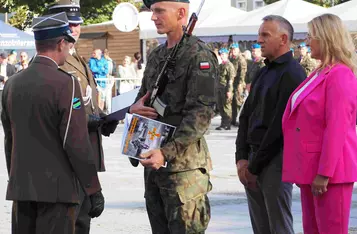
<point x="97" y="201"/>
<point x="109" y="127"/>
<point x="94" y="122"/>
<point x="134" y="162"/>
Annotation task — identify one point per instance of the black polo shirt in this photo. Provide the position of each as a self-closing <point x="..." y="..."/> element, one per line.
<point x="261" y="117"/>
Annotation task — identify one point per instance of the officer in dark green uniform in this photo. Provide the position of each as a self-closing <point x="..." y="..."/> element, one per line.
<point x="176" y="196"/>
<point x="47" y="145"/>
<point x="224" y="90"/>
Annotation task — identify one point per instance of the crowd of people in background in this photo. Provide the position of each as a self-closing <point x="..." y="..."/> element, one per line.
<point x="129" y="73"/>
<point x="233" y="86"/>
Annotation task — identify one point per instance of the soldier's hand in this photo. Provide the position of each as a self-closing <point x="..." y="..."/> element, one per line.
<point x="229" y="95"/>
<point x="153" y="159"/>
<point x="140" y="108"/>
<point x="97" y="201"/>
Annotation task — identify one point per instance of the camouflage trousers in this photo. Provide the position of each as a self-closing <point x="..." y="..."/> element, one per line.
<point x="224" y="106"/>
<point x="237" y="102"/>
<point x="177" y="203"/>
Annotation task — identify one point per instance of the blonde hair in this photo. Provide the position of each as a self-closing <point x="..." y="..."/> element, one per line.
<point x="336" y="44"/>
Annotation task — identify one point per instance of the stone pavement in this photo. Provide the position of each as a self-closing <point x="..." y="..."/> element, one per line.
<point x="123" y="189"/>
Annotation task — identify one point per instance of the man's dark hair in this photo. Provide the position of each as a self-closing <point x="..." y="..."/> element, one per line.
<point x="283" y="24"/>
<point x="47" y="45"/>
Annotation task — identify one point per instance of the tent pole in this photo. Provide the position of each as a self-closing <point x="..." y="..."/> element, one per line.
<point x="6" y="20"/>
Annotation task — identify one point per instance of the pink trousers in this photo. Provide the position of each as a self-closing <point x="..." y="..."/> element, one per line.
<point x="328" y="213"/>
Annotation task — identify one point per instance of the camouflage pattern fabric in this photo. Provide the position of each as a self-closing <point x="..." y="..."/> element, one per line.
<point x="240" y="65"/>
<point x="177" y="202"/>
<point x="254" y="69"/>
<point x="190" y="96"/>
<point x="308" y="64"/>
<point x="224" y="85"/>
<point x="175" y="196"/>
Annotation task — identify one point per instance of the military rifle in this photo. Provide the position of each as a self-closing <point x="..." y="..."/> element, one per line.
<point x="160" y="84"/>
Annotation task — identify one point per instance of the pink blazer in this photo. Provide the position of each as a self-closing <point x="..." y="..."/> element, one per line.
<point x="320" y="131"/>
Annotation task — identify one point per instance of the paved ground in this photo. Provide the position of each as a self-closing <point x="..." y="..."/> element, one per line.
<point x="123" y="189"/>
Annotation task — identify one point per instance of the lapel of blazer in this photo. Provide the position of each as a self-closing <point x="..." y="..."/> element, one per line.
<point x="310" y="87"/>
<point x="72" y="61"/>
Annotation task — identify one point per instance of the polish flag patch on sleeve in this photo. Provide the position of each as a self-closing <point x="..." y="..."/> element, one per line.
<point x="205" y="65"/>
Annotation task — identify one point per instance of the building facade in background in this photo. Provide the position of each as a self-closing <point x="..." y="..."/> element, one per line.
<point x="248" y="5"/>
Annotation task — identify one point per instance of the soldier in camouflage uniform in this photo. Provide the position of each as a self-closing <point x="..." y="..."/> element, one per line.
<point x="258" y="62"/>
<point x="224" y="90"/>
<point x="305" y="60"/>
<point x="240" y="65"/>
<point x="176" y="196"/>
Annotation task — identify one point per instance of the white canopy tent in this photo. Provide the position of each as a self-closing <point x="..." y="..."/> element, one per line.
<point x="346" y="11"/>
<point x="298" y="12"/>
<point x="213" y="13"/>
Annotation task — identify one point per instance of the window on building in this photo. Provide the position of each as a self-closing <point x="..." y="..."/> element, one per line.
<point x="259" y="4"/>
<point x="241" y="4"/>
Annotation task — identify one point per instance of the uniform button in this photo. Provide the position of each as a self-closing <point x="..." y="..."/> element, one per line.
<point x="298" y="129"/>
<point x="88" y="185"/>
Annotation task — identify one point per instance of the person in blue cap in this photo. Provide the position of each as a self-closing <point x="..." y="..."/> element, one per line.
<point x="240" y="65"/>
<point x="47" y="148"/>
<point x="254" y="68"/>
<point x="97" y="128"/>
<point x="305" y="60"/>
<point x="224" y="90"/>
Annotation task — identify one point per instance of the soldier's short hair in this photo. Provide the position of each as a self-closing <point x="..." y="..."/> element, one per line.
<point x="283" y="24"/>
<point x="47" y="45"/>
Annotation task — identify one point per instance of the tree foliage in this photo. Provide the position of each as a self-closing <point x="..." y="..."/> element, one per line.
<point x="93" y="11"/>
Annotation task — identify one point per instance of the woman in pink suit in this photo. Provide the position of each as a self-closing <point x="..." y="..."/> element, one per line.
<point x="319" y="127"/>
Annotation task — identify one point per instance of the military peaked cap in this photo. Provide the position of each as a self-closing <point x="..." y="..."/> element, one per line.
<point x="148" y="3"/>
<point x="52" y="26"/>
<point x="71" y="7"/>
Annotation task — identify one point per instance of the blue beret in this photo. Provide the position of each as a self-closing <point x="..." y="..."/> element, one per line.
<point x="303" y="44"/>
<point x="234" y="45"/>
<point x="52" y="26"/>
<point x="148" y="3"/>
<point x="256" y="46"/>
<point x="70" y="7"/>
<point x="223" y="51"/>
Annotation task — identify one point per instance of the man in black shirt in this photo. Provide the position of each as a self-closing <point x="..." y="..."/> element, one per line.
<point x="260" y="142"/>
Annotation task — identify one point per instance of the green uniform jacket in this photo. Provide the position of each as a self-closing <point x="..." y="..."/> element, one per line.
<point x="76" y="66"/>
<point x="308" y="64"/>
<point x="240" y="64"/>
<point x="226" y="76"/>
<point x="253" y="70"/>
<point x="190" y="95"/>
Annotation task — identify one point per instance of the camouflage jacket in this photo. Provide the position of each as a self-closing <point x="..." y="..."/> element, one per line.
<point x="308" y="64"/>
<point x="253" y="69"/>
<point x="190" y="96"/>
<point x="226" y="76"/>
<point x="240" y="65"/>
